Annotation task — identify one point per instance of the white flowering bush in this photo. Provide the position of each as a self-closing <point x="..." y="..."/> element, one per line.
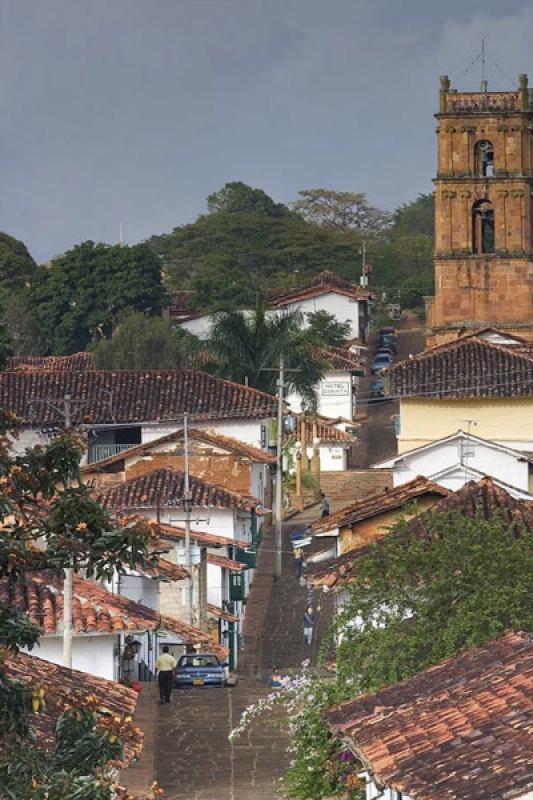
<point x="320" y="767"/>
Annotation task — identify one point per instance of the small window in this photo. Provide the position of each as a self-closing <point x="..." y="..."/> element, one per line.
<point x="483" y="227"/>
<point x="484" y="159"/>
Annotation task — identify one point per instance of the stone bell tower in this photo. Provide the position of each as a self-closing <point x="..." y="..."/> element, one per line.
<point x="483" y="213"/>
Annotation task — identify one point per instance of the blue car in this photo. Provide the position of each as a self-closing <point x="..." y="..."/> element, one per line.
<point x="200" y="669"/>
<point x="380" y="362"/>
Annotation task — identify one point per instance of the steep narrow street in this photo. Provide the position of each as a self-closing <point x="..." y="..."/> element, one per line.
<point x="194" y="759"/>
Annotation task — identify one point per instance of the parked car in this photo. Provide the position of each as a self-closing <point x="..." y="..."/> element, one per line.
<point x="377" y="389"/>
<point x="380" y="362"/>
<point x="387" y="338"/>
<point x="200" y="669"/>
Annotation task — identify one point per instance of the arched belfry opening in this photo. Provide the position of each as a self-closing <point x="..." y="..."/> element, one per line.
<point x="484" y="159"/>
<point x="482" y="227"/>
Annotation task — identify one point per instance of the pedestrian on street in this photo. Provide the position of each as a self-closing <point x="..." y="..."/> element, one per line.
<point x="298" y="562"/>
<point x="324" y="506"/>
<point x="309" y="621"/>
<point x="165" y="666"/>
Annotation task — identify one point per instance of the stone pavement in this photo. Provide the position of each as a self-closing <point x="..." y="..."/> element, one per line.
<point x="196" y="761"/>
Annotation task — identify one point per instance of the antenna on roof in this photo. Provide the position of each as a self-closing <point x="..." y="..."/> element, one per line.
<point x="484" y="84"/>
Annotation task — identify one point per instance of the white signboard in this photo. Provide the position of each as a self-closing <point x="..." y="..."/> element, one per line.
<point x="334" y="388"/>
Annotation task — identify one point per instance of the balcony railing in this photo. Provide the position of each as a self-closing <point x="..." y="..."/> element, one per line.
<point x="97" y="452"/>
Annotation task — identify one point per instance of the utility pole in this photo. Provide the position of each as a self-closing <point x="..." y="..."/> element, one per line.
<point x="279" y="471"/>
<point x="67" y="583"/>
<point x="187" y="509"/>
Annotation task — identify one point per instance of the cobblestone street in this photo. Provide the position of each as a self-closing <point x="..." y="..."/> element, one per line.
<point x="194" y="758"/>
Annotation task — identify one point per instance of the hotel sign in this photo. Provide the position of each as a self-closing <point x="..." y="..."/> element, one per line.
<point x="335" y="389"/>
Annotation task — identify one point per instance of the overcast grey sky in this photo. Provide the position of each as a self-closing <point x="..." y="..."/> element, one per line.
<point x="133" y="111"/>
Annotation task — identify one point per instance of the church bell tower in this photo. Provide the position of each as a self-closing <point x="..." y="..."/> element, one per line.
<point x="483" y="213"/>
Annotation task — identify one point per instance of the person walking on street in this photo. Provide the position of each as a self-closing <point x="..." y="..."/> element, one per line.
<point x="165" y="666"/>
<point x="324" y="506"/>
<point x="309" y="620"/>
<point x="298" y="562"/>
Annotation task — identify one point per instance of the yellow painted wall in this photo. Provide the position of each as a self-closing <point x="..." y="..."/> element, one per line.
<point x="506" y="420"/>
<point x="369" y="530"/>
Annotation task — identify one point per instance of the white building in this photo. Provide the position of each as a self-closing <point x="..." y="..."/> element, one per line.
<point x="346" y="301"/>
<point x="461" y="457"/>
<point x="100" y="620"/>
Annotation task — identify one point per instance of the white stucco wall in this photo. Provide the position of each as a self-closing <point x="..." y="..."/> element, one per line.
<point x="245" y="430"/>
<point x="198" y="326"/>
<point x="487" y="460"/>
<point x="335" y="396"/>
<point x="344" y="309"/>
<point x="93" y="654"/>
<point x="333" y="458"/>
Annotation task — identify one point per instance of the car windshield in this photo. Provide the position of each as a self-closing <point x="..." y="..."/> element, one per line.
<point x="382" y="357"/>
<point x="198" y="661"/>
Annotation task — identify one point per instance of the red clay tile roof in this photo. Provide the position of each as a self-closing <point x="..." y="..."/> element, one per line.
<point x="339" y="359"/>
<point x="472" y="366"/>
<point x="325" y="281"/>
<point x="77" y="362"/>
<point x="208" y="437"/>
<point x="225" y="563"/>
<point x="131" y="396"/>
<point x="164" y="569"/>
<point x="221" y="614"/>
<point x="461" y="730"/>
<point x="94" y="609"/>
<point x="173" y="533"/>
<point x="380" y="503"/>
<point x="327" y="432"/>
<point x="483" y="496"/>
<point x="165" y="487"/>
<point x="72" y="686"/>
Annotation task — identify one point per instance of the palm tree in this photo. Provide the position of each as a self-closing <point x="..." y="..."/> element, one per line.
<point x="245" y="346"/>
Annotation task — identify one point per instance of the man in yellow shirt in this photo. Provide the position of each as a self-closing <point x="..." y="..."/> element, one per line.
<point x="165" y="666"/>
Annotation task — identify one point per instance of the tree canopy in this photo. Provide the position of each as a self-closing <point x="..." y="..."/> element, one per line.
<point x="78" y="298"/>
<point x="142" y="342"/>
<point x="17" y="267"/>
<point x="342" y="211"/>
<point x="43" y="500"/>
<point x="246" y="347"/>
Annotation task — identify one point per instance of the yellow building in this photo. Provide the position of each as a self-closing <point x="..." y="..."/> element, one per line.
<point x="481" y="383"/>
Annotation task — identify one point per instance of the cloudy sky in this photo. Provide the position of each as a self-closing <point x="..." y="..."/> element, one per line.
<point x="133" y="111"/>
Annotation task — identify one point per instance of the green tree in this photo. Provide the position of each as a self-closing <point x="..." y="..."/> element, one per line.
<point x="327" y="330"/>
<point x="72" y="531"/>
<point x="17" y="267"/>
<point x="404" y="264"/>
<point x="246" y="347"/>
<point x="77" y="300"/>
<point x="142" y="342"/>
<point x="238" y="198"/>
<point x="341" y="210"/>
<point x="256" y="243"/>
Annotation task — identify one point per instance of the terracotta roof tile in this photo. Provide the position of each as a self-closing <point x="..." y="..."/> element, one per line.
<point x="131" y="396"/>
<point x="207" y="437"/>
<point x="380" y="503"/>
<point x="164" y="569"/>
<point x="483" y="496"/>
<point x="175" y="533"/>
<point x="461" y="730"/>
<point x="340" y="359"/>
<point x="77" y="362"/>
<point x="165" y="487"/>
<point x="225" y="563"/>
<point x="94" y="609"/>
<point x="325" y="281"/>
<point x="221" y="614"/>
<point x="327" y="432"/>
<point x="71" y="686"/>
<point x="472" y="366"/>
